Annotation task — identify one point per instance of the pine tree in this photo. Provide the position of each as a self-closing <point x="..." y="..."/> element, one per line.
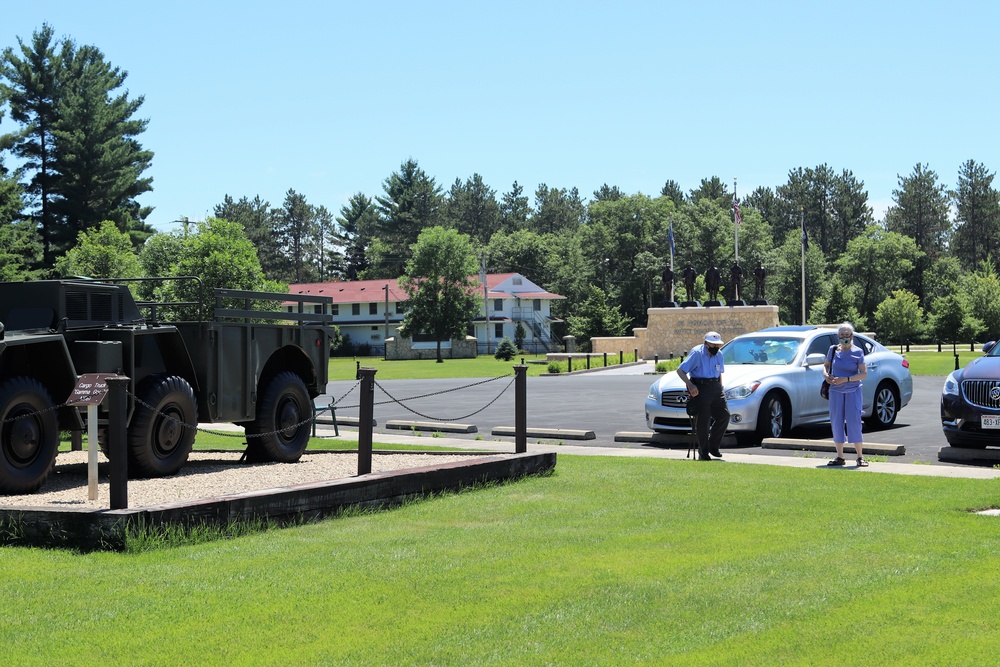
<point x="30" y="82"/>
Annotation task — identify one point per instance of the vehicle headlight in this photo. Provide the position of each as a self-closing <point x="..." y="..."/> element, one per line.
<point x="653" y="393"/>
<point x="951" y="384"/>
<point x="742" y="391"/>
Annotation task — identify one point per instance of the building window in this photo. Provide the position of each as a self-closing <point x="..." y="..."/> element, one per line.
<point x="537" y="305"/>
<point x="498" y="331"/>
<point x="497" y="304"/>
<point x="400" y="307"/>
<point x="517" y="281"/>
<point x="373" y="309"/>
<point x="355" y="309"/>
<point x="335" y="309"/>
<point x="374" y="328"/>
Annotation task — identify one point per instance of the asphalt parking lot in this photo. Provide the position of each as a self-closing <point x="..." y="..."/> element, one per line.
<point x="605" y="402"/>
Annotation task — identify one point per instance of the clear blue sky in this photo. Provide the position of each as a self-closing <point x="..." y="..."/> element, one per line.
<point x="329" y="98"/>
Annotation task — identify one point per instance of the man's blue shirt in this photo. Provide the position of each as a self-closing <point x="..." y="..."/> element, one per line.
<point x="701" y="364"/>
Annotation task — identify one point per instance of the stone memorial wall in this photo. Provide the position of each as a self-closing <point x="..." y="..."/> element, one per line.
<point x="676" y="330"/>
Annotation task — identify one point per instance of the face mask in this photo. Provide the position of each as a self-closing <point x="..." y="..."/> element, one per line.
<point x="712" y="350"/>
<point x="845" y="341"/>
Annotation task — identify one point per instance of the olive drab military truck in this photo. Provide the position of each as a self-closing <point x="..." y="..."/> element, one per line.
<point x="236" y="362"/>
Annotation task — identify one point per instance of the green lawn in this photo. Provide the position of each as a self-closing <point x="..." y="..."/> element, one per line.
<point x="938" y="363"/>
<point x="484" y="366"/>
<point x="606" y="562"/>
<point x="344" y="368"/>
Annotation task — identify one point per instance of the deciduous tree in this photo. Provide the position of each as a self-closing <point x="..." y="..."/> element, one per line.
<point x="442" y="294"/>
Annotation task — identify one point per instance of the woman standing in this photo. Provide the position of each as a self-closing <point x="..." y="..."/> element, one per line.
<point x="845" y="370"/>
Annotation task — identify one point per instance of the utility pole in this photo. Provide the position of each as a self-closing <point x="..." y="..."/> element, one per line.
<point x="486" y="299"/>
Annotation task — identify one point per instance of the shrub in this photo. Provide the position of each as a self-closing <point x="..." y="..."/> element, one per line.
<point x="505" y="350"/>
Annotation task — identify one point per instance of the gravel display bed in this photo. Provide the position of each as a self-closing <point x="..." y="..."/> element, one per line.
<point x="209" y="475"/>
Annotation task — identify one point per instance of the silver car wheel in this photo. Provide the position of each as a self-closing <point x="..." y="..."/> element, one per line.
<point x="885" y="405"/>
<point x="777" y="416"/>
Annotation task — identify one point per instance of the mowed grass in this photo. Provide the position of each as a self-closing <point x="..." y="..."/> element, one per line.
<point x="483" y="366"/>
<point x="938" y="363"/>
<point x="605" y="562"/>
<point x="341" y="368"/>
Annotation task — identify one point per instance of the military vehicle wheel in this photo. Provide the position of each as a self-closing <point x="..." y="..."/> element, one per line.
<point x="29" y="435"/>
<point x="163" y="427"/>
<point x="283" y="424"/>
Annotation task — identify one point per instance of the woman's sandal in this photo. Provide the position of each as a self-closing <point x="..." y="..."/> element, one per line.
<point x="862" y="463"/>
<point x="836" y="462"/>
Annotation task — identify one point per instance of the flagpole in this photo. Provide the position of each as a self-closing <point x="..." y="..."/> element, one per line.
<point x="736" y="226"/>
<point x="671" y="295"/>
<point x="802" y="222"/>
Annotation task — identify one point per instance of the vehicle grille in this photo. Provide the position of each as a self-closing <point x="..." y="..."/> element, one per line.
<point x="674" y="399"/>
<point x="982" y="393"/>
<point x="673" y="423"/>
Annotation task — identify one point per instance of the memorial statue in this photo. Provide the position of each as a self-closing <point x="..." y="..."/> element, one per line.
<point x="668" y="284"/>
<point x="713" y="279"/>
<point x="759" y="276"/>
<point x="689" y="275"/>
<point x="736" y="278"/>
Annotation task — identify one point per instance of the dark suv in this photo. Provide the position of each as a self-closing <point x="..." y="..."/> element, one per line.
<point x="970" y="402"/>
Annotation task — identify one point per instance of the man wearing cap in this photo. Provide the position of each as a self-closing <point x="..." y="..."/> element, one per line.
<point x="701" y="373"/>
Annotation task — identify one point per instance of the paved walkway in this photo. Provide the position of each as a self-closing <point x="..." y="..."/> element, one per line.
<point x="968" y="472"/>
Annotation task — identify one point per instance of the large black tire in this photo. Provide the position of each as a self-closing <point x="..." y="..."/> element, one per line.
<point x="160" y="437"/>
<point x="885" y="406"/>
<point x="773" y="418"/>
<point x="284" y="421"/>
<point x="29" y="435"/>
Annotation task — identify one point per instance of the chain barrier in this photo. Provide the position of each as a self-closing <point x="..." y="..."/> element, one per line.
<point x="448" y="419"/>
<point x="433" y="393"/>
<point x="225" y="434"/>
<point x="336" y="405"/>
<point x="11" y="420"/>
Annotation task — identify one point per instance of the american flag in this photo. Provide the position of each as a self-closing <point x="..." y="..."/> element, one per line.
<point x="736" y="208"/>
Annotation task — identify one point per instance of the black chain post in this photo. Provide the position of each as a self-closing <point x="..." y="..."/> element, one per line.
<point x="117" y="428"/>
<point x="520" y="409"/>
<point x="365" y="415"/>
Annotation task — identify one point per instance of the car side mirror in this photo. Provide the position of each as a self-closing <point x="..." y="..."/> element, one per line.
<point x="989" y="346"/>
<point x="815" y="359"/>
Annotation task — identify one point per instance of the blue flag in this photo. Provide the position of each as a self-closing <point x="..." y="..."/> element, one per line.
<point x="670" y="237"/>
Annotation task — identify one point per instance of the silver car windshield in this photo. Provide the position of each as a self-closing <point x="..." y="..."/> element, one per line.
<point x="761" y="350"/>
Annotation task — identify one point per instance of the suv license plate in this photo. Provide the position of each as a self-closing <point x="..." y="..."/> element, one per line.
<point x="991" y="421"/>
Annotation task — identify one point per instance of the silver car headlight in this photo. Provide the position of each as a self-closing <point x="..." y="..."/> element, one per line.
<point x="951" y="384"/>
<point x="653" y="393"/>
<point x="741" y="391"/>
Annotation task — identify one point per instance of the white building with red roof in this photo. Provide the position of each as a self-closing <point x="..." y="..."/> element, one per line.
<point x="369" y="311"/>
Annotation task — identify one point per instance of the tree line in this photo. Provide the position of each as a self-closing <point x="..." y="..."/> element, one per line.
<point x="927" y="268"/>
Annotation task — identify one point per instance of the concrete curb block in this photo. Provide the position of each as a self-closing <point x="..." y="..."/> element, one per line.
<point x="557" y="433"/>
<point x="829" y="446"/>
<point x="343" y="421"/>
<point x="443" y="427"/>
<point x="667" y="439"/>
<point x="967" y="455"/>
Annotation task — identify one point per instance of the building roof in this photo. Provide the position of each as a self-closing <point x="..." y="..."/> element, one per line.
<point x="366" y="291"/>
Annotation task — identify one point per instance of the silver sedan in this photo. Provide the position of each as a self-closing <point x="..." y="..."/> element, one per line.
<point x="772" y="382"/>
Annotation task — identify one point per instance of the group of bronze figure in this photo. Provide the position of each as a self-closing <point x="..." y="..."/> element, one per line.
<point x="713" y="282"/>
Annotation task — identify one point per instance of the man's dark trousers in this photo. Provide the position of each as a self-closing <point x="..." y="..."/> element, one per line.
<point x="713" y="416"/>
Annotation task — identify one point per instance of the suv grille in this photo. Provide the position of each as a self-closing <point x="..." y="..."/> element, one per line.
<point x="982" y="393"/>
<point x="674" y="399"/>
